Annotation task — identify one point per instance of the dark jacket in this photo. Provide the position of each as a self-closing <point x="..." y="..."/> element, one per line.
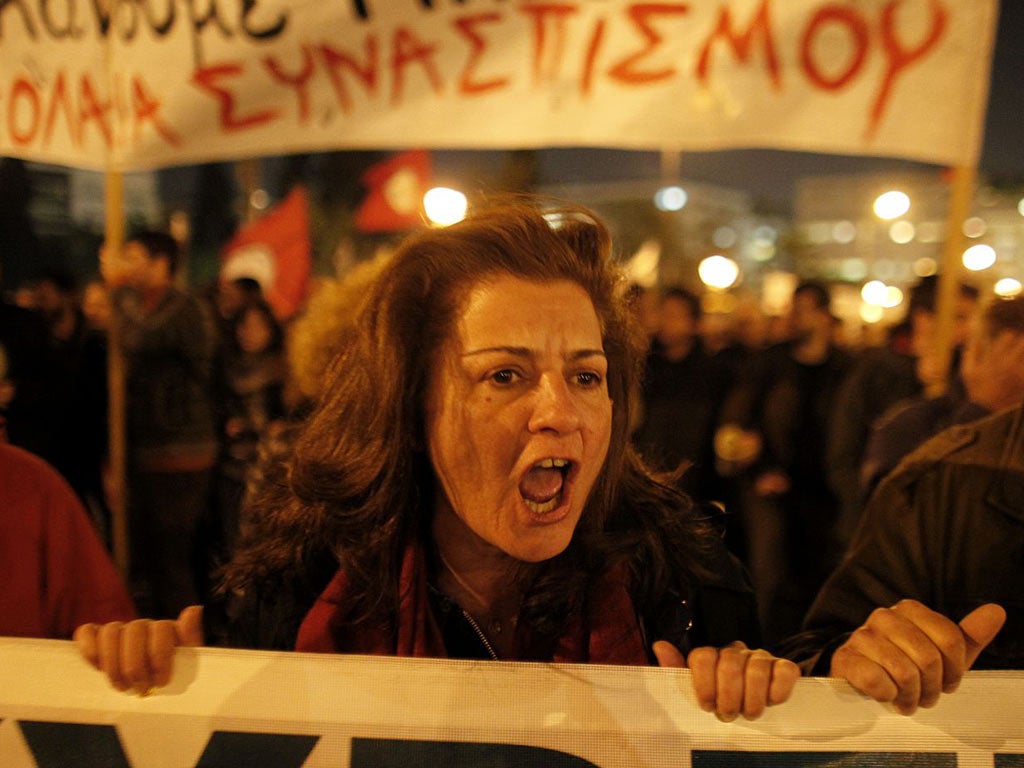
<point x="945" y="528"/>
<point x="169" y="359"/>
<point x="715" y="610"/>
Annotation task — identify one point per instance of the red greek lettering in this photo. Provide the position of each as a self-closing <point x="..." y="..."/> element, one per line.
<point x="61" y="105"/>
<point x="859" y="36"/>
<point x="742" y="43"/>
<point x="207" y="79"/>
<point x="467" y="27"/>
<point x="23" y="92"/>
<point x="338" y="62"/>
<point x="146" y="109"/>
<point x="93" y="109"/>
<point x="898" y="57"/>
<point x="540" y="13"/>
<point x="298" y="81"/>
<point x="625" y="71"/>
<point x="407" y="50"/>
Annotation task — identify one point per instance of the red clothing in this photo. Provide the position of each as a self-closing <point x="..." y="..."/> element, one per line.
<point x="54" y="571"/>
<point x="608" y="633"/>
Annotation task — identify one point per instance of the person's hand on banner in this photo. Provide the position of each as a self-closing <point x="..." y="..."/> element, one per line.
<point x="909" y="654"/>
<point x="734" y="680"/>
<point x="138" y="656"/>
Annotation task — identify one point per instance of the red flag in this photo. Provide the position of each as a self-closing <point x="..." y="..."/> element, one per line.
<point x="395" y="189"/>
<point x="275" y="251"/>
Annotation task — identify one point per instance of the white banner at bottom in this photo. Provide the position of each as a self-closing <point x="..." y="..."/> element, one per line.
<point x="284" y="710"/>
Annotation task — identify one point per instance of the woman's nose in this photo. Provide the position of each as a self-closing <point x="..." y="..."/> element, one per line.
<point x="554" y="407"/>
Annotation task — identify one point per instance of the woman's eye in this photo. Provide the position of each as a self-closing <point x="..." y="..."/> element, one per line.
<point x="588" y="379"/>
<point x="504" y="376"/>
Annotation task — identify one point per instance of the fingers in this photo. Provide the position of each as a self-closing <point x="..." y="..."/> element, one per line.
<point x="162" y="640"/>
<point x="909" y="654"/>
<point x="135" y="667"/>
<point x="139" y="655"/>
<point x="189" y="626"/>
<point x="668" y="655"/>
<point x="703" y="663"/>
<point x="980" y="628"/>
<point x="85" y="638"/>
<point x="109" y="640"/>
<point x="735" y="680"/>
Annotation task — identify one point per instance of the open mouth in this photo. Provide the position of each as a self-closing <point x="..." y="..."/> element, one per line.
<point x="542" y="486"/>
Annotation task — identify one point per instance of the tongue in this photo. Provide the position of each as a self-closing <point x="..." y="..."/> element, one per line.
<point x="541" y="485"/>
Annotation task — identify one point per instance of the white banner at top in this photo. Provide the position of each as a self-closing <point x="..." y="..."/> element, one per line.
<point x="136" y="84"/>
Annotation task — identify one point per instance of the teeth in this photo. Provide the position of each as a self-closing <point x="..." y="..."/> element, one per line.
<point x="552" y="463"/>
<point x="547" y="506"/>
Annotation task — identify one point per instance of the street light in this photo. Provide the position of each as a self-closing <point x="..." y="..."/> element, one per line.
<point x="718" y="272"/>
<point x="979" y="257"/>
<point x="891" y="205"/>
<point x="445" y="206"/>
<point x="670" y="198"/>
<point x="1008" y="287"/>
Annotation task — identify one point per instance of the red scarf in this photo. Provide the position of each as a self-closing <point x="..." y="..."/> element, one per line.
<point x="607" y="633"/>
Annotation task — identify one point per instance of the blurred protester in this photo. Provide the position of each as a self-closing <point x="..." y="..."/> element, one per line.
<point x="30" y="376"/>
<point x="168" y="343"/>
<point x="80" y="392"/>
<point x="57" y="302"/>
<point x="6" y="393"/>
<point x="945" y="530"/>
<point x="96" y="306"/>
<point x="230" y="298"/>
<point x="645" y="304"/>
<point x="53" y="567"/>
<point x="745" y="334"/>
<point x="991" y="379"/>
<point x="252" y="404"/>
<point x="774" y="429"/>
<point x="681" y="393"/>
<point x="880" y="378"/>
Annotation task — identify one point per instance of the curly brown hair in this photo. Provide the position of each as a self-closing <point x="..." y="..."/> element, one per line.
<point x="359" y="481"/>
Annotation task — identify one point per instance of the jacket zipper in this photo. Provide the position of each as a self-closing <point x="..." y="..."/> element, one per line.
<point x="480" y="634"/>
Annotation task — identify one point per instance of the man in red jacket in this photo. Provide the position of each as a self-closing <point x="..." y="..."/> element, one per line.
<point x="56" y="573"/>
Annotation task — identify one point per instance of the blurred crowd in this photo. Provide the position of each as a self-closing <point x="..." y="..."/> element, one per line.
<point x="774" y="423"/>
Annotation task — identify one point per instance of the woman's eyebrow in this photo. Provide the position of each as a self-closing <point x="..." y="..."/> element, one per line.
<point x="508" y="350"/>
<point x="578" y="354"/>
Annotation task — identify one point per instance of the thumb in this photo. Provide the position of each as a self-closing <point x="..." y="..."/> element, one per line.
<point x="980" y="627"/>
<point x="189" y="626"/>
<point x="668" y="655"/>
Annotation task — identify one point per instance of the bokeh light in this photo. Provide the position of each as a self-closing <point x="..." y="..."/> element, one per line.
<point x="718" y="272"/>
<point x="874" y="292"/>
<point x="926" y="266"/>
<point x="724" y="237"/>
<point x="1007" y="287"/>
<point x="445" y="206"/>
<point x="670" y="198"/>
<point x="891" y="205"/>
<point x="893" y="297"/>
<point x="979" y="257"/>
<point x="871" y="313"/>
<point x="844" y="232"/>
<point x="902" y="232"/>
<point x="974" y="227"/>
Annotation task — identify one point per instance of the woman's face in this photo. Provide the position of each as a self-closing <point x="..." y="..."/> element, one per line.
<point x="519" y="417"/>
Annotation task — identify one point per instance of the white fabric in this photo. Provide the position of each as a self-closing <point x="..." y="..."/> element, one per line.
<point x="790" y="74"/>
<point x="607" y="716"/>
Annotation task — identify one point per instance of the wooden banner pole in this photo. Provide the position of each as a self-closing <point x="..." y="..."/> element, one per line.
<point x="961" y="197"/>
<point x="117" y="485"/>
